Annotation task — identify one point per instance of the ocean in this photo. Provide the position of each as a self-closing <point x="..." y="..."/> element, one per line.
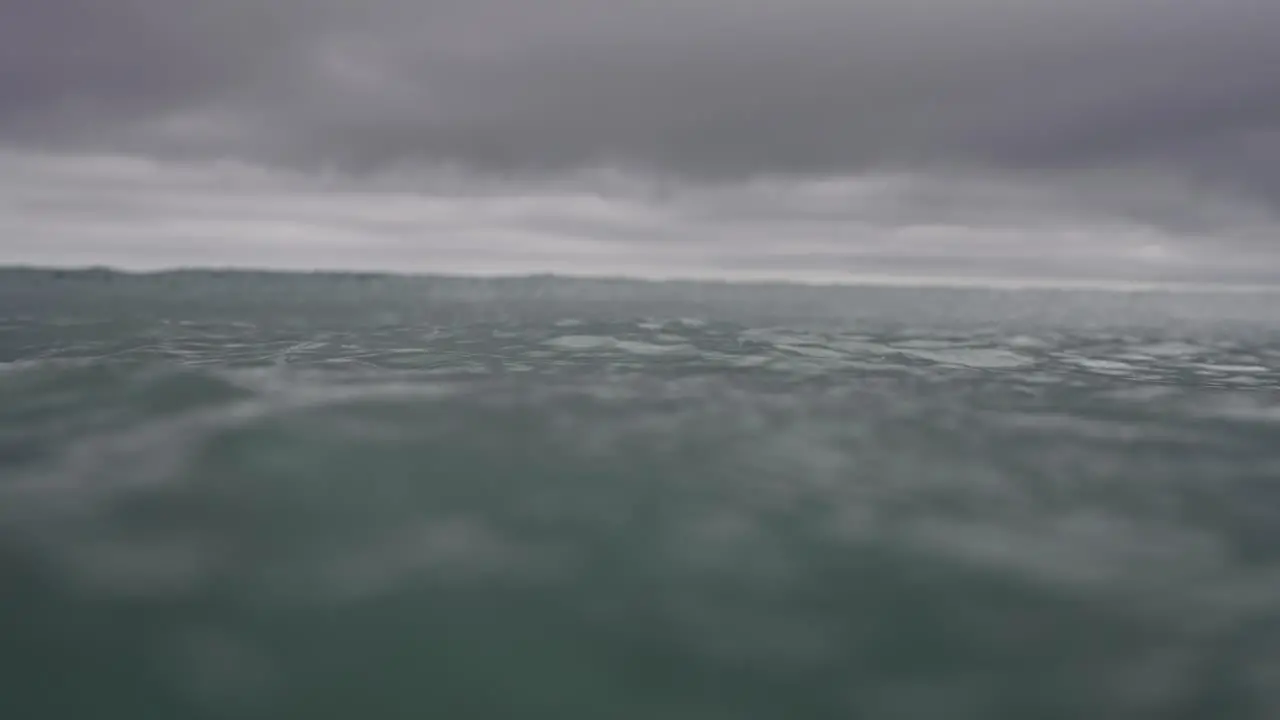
<point x="256" y="495"/>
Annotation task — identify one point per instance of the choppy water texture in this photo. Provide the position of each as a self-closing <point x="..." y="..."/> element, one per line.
<point x="256" y="496"/>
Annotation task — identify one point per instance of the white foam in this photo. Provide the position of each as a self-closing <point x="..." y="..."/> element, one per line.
<point x="643" y="348"/>
<point x="1169" y="349"/>
<point x="1232" y="369"/>
<point x="598" y="343"/>
<point x="974" y="357"/>
<point x="1105" y="367"/>
<point x="582" y="342"/>
<point x="812" y="351"/>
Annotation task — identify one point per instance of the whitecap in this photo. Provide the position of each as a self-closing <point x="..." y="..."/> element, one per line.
<point x="1105" y="367"/>
<point x="974" y="357"/>
<point x="1232" y="369"/>
<point x="813" y="351"/>
<point x="636" y="347"/>
<point x="1169" y="349"/>
<point x="582" y="342"/>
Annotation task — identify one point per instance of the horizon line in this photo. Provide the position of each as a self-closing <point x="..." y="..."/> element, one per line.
<point x="823" y="281"/>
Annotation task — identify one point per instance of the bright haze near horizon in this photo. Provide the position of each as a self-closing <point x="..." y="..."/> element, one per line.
<point x="899" y="140"/>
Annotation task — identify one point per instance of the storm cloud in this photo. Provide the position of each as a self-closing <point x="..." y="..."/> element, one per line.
<point x="1157" y="113"/>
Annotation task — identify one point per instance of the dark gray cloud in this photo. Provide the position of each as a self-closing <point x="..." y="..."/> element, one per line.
<point x="699" y="88"/>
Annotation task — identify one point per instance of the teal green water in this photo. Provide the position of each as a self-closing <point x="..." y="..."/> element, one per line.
<point x="253" y="496"/>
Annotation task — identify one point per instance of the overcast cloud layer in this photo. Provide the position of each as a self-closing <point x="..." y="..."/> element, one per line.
<point x="1050" y="137"/>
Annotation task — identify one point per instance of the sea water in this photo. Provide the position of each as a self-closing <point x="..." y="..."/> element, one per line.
<point x="247" y="495"/>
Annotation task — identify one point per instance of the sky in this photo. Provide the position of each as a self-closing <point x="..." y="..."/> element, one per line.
<point x="1126" y="140"/>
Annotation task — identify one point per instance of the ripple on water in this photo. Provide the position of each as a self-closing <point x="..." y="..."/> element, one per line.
<point x="886" y="514"/>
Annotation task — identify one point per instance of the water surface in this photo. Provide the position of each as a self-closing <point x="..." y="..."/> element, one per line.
<point x="230" y="495"/>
